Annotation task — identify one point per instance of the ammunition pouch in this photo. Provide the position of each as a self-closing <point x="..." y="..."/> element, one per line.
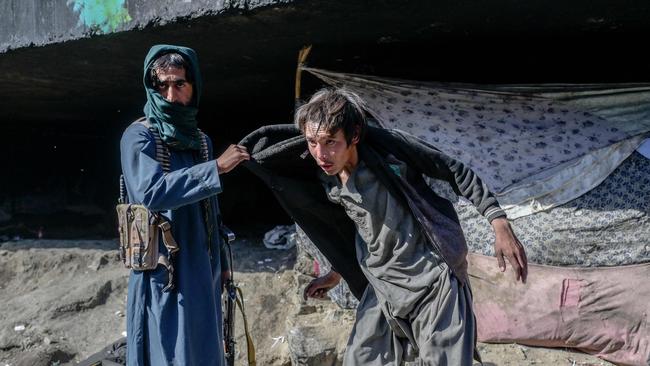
<point x="139" y="230"/>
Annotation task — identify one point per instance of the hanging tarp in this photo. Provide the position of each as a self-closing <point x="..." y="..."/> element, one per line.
<point x="535" y="146"/>
<point x="607" y="226"/>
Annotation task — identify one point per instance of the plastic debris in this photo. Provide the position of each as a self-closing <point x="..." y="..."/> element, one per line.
<point x="277" y="340"/>
<point x="316" y="268"/>
<point x="280" y="237"/>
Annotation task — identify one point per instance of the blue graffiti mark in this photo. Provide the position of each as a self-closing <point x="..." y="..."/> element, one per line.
<point x="103" y="16"/>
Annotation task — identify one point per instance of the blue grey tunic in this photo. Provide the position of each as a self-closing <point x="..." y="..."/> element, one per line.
<point x="413" y="304"/>
<point x="182" y="327"/>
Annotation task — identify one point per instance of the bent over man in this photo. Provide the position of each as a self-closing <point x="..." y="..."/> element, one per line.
<point x="409" y="265"/>
<point x="182" y="326"/>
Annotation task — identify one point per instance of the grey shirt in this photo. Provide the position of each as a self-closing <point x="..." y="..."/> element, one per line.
<point x="391" y="248"/>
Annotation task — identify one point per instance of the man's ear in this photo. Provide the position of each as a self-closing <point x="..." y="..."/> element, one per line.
<point x="356" y="137"/>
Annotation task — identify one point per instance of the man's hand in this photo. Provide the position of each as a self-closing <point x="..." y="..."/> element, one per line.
<point x="507" y="245"/>
<point x="230" y="158"/>
<point x="318" y="287"/>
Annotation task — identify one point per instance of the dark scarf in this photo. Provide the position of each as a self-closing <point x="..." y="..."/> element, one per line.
<point x="176" y="123"/>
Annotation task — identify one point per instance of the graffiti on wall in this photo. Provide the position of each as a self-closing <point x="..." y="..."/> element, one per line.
<point x="102" y="16"/>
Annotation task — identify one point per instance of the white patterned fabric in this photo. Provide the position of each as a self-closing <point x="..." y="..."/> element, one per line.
<point x="607" y="226"/>
<point x="514" y="136"/>
<point x="566" y="181"/>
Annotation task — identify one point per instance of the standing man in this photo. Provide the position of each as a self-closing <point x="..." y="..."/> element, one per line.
<point x="399" y="245"/>
<point x="182" y="326"/>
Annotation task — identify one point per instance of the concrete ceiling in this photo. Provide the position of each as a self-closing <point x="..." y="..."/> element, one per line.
<point x="248" y="58"/>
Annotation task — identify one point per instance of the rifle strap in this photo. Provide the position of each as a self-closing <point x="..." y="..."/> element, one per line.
<point x="165" y="261"/>
<point x="249" y="339"/>
<point x="172" y="247"/>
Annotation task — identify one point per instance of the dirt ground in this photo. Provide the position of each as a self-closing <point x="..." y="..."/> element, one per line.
<point x="62" y="301"/>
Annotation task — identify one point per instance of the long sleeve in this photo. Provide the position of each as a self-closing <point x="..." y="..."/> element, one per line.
<point x="146" y="183"/>
<point x="462" y="179"/>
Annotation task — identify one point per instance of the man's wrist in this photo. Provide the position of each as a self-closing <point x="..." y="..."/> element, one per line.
<point x="494" y="212"/>
<point x="500" y="223"/>
<point x="334" y="276"/>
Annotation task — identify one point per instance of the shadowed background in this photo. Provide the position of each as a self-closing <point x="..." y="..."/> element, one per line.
<point x="71" y="79"/>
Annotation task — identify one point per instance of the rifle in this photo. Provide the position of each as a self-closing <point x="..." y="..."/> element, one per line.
<point x="234" y="297"/>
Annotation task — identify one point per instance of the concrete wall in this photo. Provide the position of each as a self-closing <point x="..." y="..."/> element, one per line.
<point x="41" y="22"/>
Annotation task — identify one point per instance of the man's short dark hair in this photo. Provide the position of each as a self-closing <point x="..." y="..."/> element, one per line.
<point x="333" y="110"/>
<point x="170" y="60"/>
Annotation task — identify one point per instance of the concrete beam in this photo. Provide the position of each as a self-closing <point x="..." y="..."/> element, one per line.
<point x="41" y="22"/>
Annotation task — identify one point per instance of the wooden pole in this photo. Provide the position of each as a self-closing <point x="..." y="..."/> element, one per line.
<point x="302" y="57"/>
